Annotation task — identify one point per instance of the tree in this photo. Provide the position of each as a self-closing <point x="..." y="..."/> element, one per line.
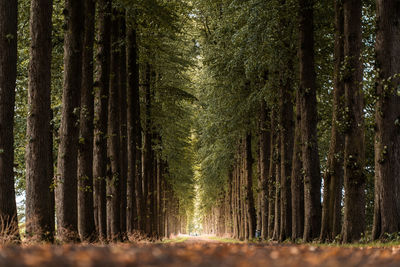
<point x="123" y="120"/>
<point x="308" y="107"/>
<point x="297" y="185"/>
<point x="387" y="115"/>
<point x="101" y="116"/>
<point x="287" y="137"/>
<point x="8" y="73"/>
<point x="354" y="175"/>
<point x="39" y="162"/>
<point x="86" y="224"/>
<point x="113" y="140"/>
<point x="265" y="150"/>
<point x="66" y="178"/>
<point x="134" y="192"/>
<point x="251" y="211"/>
<point x="333" y="177"/>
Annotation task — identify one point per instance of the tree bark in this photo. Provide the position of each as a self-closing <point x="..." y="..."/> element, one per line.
<point x="297" y="185"/>
<point x="39" y="164"/>
<point x="265" y="151"/>
<point x="113" y="141"/>
<point x="272" y="173"/>
<point x="101" y="115"/>
<point x="333" y="177"/>
<point x="67" y="182"/>
<point x="86" y="226"/>
<point x="309" y="118"/>
<point x="286" y="139"/>
<point x="135" y="215"/>
<point x="354" y="176"/>
<point x="387" y="136"/>
<point x="123" y="122"/>
<point x="277" y="209"/>
<point x="8" y="74"/>
<point x="251" y="211"/>
<point x="146" y="154"/>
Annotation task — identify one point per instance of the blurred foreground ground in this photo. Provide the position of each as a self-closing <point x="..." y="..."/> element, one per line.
<point x="196" y="251"/>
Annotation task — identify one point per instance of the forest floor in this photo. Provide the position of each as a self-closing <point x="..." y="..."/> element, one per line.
<point x="197" y="251"/>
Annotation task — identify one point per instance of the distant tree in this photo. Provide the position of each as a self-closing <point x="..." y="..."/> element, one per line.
<point x="251" y="211"/>
<point x="265" y="150"/>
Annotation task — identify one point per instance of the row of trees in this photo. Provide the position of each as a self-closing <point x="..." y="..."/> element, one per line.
<point x="123" y="160"/>
<point x="300" y="86"/>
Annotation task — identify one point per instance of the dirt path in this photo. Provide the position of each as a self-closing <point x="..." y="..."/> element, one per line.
<point x="197" y="251"/>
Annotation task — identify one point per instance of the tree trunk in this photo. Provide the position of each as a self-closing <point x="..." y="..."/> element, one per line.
<point x="286" y="139"/>
<point x="86" y="224"/>
<point x="251" y="211"/>
<point x="134" y="191"/>
<point x="277" y="166"/>
<point x="8" y="74"/>
<point x="123" y="122"/>
<point x="297" y="185"/>
<point x="101" y="115"/>
<point x="67" y="163"/>
<point x="272" y="173"/>
<point x="147" y="155"/>
<point x="265" y="151"/>
<point x="333" y="177"/>
<point x="387" y="137"/>
<point x="354" y="176"/>
<point x="309" y="118"/>
<point x="113" y="141"/>
<point x="39" y="164"/>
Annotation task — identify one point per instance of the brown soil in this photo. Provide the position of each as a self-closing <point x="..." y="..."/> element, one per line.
<point x="196" y="251"/>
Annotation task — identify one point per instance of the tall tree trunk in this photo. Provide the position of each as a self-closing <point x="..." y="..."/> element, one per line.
<point x="234" y="205"/>
<point x="67" y="163"/>
<point x="123" y="122"/>
<point x="277" y="166"/>
<point x="354" y="175"/>
<point x="39" y="165"/>
<point x="387" y="137"/>
<point x="287" y="135"/>
<point x="309" y="118"/>
<point x="272" y="173"/>
<point x="101" y="116"/>
<point x="158" y="196"/>
<point x="113" y="141"/>
<point x="333" y="177"/>
<point x="259" y="184"/>
<point x="134" y="215"/>
<point x="228" y="203"/>
<point x="86" y="224"/>
<point x="146" y="154"/>
<point x="251" y="211"/>
<point x="297" y="186"/>
<point x="265" y="151"/>
<point x="8" y="74"/>
<point x="52" y="203"/>
<point x="242" y="206"/>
